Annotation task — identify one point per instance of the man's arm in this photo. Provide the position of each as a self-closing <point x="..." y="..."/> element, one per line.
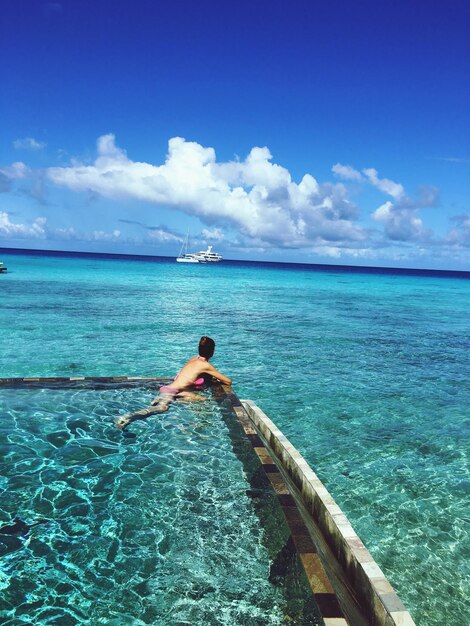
<point x="218" y="375"/>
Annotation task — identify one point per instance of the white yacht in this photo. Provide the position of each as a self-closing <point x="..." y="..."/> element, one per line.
<point x="207" y="256"/>
<point x="2" y="267"/>
<point x="204" y="256"/>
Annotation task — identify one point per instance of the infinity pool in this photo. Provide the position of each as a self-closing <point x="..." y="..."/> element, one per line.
<point x="161" y="529"/>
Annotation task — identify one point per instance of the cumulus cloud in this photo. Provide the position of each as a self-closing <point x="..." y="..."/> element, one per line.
<point x="101" y="235"/>
<point x="39" y="229"/>
<point x="401" y="218"/>
<point x="401" y="223"/>
<point x="459" y="235"/>
<point x="28" y="143"/>
<point x="256" y="196"/>
<point x="10" y="229"/>
<point x="10" y="173"/>
<point x="371" y="175"/>
<point x="163" y="235"/>
<point x="215" y="234"/>
<point x="389" y="187"/>
<point x="346" y="171"/>
<point x="15" y="171"/>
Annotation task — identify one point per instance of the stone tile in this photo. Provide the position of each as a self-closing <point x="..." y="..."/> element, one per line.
<point x="328" y="605"/>
<point x="341" y="519"/>
<point x="304" y="544"/>
<point x="361" y="554"/>
<point x="270" y="468"/>
<point x="249" y="430"/>
<point x="278" y="484"/>
<point x="347" y="531"/>
<point x="392" y="602"/>
<point x="357" y="544"/>
<point x="381" y="585"/>
<point x="317" y="577"/>
<point x="326" y="498"/>
<point x="333" y="509"/>
<point x="286" y="500"/>
<point x="255" y="441"/>
<point x="372" y="570"/>
<point x="292" y="513"/>
<point x="263" y="455"/>
<point x="297" y="527"/>
<point x="402" y="618"/>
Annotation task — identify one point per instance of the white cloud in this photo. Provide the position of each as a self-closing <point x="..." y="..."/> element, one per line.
<point x="10" y="229"/>
<point x="459" y="236"/>
<point x="64" y="233"/>
<point x="215" y="234"/>
<point x="15" y="171"/>
<point x="101" y="235"/>
<point x="39" y="229"/>
<point x="400" y="218"/>
<point x="256" y="196"/>
<point x="401" y="223"/>
<point x="258" y="203"/>
<point x="389" y="187"/>
<point x="346" y="171"/>
<point x="10" y="173"/>
<point x="28" y="143"/>
<point x="162" y="235"/>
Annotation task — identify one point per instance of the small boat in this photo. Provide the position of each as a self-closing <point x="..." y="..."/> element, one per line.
<point x="184" y="256"/>
<point x="2" y="267"/>
<point x="207" y="256"/>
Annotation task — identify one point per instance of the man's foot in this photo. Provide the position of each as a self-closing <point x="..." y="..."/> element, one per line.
<point x="122" y="421"/>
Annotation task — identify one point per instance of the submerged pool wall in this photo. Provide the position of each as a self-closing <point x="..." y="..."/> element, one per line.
<point x="374" y="592"/>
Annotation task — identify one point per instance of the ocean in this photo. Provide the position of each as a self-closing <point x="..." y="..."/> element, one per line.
<point x="366" y="371"/>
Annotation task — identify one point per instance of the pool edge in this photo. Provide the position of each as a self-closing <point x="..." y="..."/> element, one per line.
<point x="376" y="594"/>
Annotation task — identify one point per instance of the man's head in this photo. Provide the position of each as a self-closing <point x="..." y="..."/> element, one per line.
<point x="206" y="347"/>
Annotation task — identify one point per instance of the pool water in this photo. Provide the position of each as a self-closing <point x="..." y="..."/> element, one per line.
<point x="160" y="529"/>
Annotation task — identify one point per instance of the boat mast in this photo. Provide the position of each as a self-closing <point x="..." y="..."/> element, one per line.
<point x="184" y="246"/>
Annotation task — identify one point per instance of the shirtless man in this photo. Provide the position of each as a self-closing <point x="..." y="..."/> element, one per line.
<point x="189" y="377"/>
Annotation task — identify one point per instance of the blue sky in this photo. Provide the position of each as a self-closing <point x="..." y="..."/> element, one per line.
<point x="289" y="131"/>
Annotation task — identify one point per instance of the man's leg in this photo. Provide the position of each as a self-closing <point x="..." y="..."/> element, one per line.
<point x="123" y="420"/>
<point x="190" y="396"/>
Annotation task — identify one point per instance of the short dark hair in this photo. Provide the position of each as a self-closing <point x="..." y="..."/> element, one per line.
<point x="206" y="347"/>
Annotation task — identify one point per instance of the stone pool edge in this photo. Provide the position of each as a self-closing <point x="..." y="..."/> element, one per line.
<point x="364" y="575"/>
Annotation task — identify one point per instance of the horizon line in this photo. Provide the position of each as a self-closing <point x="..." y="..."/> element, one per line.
<point x="464" y="273"/>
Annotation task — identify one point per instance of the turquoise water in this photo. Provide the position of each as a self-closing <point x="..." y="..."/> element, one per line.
<point x="367" y="374"/>
<point x="160" y="530"/>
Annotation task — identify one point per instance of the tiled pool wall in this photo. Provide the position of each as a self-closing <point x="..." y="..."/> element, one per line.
<point x="87" y="381"/>
<point x="380" y="602"/>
